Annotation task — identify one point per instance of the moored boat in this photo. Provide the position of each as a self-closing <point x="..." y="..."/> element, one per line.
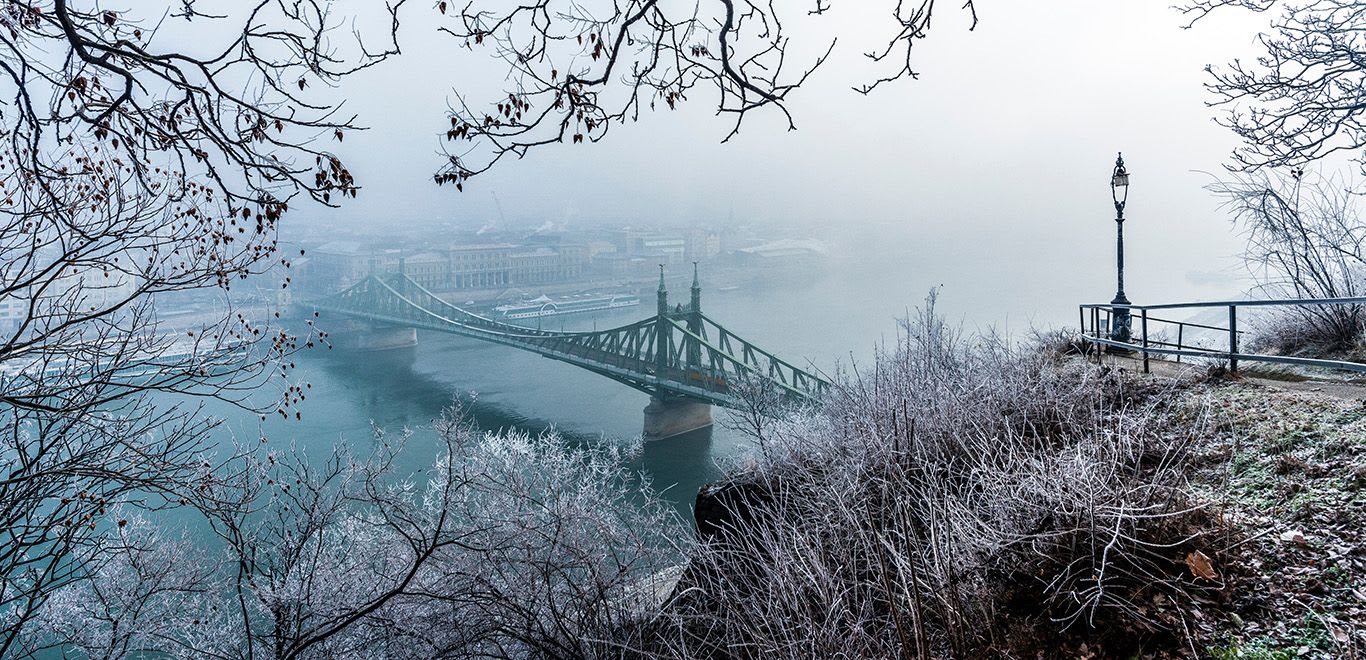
<point x="546" y="306"/>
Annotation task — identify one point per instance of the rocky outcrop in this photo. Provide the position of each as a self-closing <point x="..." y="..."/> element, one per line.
<point x="722" y="507"/>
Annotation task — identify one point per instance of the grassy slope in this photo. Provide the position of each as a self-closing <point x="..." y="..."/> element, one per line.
<point x="1287" y="472"/>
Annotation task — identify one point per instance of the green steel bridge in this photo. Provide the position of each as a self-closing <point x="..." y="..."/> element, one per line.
<point x="678" y="354"/>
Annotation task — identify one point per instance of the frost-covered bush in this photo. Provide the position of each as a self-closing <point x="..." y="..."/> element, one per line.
<point x="511" y="545"/>
<point x="960" y="487"/>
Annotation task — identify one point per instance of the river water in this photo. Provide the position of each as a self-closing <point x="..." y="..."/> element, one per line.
<point x="823" y="318"/>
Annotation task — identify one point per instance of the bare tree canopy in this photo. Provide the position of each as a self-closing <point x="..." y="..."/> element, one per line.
<point x="143" y="152"/>
<point x="1305" y="239"/>
<point x="575" y="69"/>
<point x="1304" y="98"/>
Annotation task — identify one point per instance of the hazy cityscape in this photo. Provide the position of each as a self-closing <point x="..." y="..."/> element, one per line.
<point x="498" y="264"/>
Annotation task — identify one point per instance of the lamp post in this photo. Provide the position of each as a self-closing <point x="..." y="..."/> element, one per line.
<point x="1120" y="320"/>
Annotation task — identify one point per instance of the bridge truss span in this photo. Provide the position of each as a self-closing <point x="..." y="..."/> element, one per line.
<point x="676" y="354"/>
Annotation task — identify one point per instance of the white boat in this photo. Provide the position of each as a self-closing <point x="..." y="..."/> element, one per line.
<point x="546" y="306"/>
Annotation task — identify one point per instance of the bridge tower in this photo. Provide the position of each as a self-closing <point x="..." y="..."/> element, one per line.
<point x="694" y="351"/>
<point x="668" y="415"/>
<point x="662" y="333"/>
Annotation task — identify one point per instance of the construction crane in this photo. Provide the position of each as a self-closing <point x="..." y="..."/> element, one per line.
<point x="502" y="219"/>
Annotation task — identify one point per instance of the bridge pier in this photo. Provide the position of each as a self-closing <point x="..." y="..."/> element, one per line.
<point x="667" y="417"/>
<point x="383" y="338"/>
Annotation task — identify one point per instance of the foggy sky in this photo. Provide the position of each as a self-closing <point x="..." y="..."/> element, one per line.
<point x="988" y="175"/>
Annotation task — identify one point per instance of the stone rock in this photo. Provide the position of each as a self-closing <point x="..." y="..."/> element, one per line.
<point x="720" y="507"/>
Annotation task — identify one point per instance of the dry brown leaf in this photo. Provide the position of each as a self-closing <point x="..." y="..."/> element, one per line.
<point x="1201" y="566"/>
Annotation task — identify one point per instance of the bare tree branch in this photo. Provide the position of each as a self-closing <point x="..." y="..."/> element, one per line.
<point x="576" y="69"/>
<point x="1304" y="98"/>
<point x="131" y="171"/>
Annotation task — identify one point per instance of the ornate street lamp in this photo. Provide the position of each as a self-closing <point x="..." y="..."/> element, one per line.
<point x="1120" y="321"/>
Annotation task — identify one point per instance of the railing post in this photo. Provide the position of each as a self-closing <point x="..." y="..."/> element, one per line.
<point x="1095" y="330"/>
<point x="1180" y="330"/>
<point x="1145" y="340"/>
<point x="1232" y="339"/>
<point x="1108" y="330"/>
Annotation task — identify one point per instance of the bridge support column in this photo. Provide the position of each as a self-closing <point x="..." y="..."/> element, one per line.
<point x="384" y="338"/>
<point x="666" y="417"/>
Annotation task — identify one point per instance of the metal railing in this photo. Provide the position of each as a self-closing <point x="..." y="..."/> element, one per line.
<point x="1096" y="319"/>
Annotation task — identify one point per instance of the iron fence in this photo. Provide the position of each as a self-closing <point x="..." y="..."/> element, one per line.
<point x="1096" y="320"/>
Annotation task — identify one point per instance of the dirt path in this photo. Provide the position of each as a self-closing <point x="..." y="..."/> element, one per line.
<point x="1338" y="389"/>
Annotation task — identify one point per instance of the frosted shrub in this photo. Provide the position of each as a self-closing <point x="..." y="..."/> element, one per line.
<point x="512" y="545"/>
<point x="962" y="480"/>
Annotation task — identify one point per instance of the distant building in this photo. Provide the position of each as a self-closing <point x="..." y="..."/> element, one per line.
<point x="432" y="270"/>
<point x="574" y="258"/>
<point x="784" y="252"/>
<point x="339" y="264"/>
<point x="702" y="244"/>
<point x="13" y="311"/>
<point x="536" y="260"/>
<point x="533" y="265"/>
<point x="670" y="249"/>
<point x="618" y="265"/>
<point x="481" y="266"/>
<point x="658" y="247"/>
